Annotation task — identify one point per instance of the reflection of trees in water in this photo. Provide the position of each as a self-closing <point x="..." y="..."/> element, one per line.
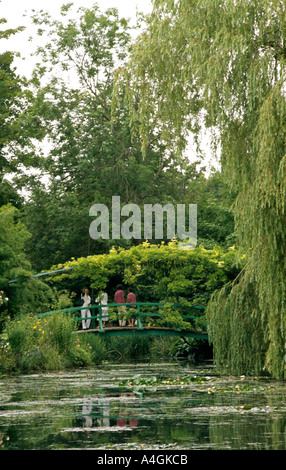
<point x="256" y="422"/>
<point x="215" y="428"/>
<point x="248" y="431"/>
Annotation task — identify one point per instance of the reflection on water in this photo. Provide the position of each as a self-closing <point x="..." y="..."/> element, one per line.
<point x="98" y="414"/>
<point x="91" y="409"/>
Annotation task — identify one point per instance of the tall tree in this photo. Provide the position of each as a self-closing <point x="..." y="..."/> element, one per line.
<point x="9" y="91"/>
<point x="221" y="63"/>
<point x="13" y="236"/>
<point x="214" y="200"/>
<point x="19" y="127"/>
<point x="93" y="155"/>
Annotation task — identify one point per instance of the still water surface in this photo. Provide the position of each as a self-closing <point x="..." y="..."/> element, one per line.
<point x="103" y="408"/>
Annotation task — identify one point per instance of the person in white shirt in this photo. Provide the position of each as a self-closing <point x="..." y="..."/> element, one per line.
<point x="102" y="299"/>
<point x="85" y="314"/>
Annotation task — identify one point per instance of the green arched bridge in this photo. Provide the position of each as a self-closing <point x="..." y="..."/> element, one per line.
<point x="145" y="315"/>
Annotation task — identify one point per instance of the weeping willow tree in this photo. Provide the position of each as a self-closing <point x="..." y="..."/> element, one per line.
<point x="220" y="65"/>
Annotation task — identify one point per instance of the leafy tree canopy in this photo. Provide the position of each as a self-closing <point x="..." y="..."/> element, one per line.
<point x="156" y="272"/>
<point x="92" y="154"/>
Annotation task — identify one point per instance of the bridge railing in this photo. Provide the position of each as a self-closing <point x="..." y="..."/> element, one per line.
<point x="97" y="313"/>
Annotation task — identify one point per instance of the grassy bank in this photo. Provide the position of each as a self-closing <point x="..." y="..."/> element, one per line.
<point x="31" y="344"/>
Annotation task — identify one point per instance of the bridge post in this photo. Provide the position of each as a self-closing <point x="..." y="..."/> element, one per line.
<point x="93" y="319"/>
<point x="100" y="320"/>
<point x="139" y="324"/>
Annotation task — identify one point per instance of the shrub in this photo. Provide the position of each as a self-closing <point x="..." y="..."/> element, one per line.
<point x="157" y="274"/>
<point x="48" y="343"/>
<point x="44" y="357"/>
<point x="19" y="334"/>
<point x="96" y="345"/>
<point x="60" y="329"/>
<point x="78" y="354"/>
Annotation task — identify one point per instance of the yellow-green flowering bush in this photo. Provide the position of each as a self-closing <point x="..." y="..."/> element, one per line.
<point x="49" y="343"/>
<point x="157" y="273"/>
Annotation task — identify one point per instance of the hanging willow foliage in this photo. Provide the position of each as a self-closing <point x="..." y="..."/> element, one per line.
<point x="235" y="328"/>
<point x="221" y="64"/>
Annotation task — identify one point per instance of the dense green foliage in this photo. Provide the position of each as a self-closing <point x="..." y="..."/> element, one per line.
<point x="157" y="273"/>
<point x="117" y="114"/>
<point x="236" y="325"/>
<point x="31" y="344"/>
<point x="221" y="64"/>
<point x="14" y="264"/>
<point x="90" y="158"/>
<point x="16" y="137"/>
<point x="10" y="91"/>
<point x="13" y="235"/>
<point x="19" y="126"/>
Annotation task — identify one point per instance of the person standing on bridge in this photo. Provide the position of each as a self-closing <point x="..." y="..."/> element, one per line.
<point x="102" y="299"/>
<point x="85" y="313"/>
<point x="119" y="299"/>
<point x="131" y="298"/>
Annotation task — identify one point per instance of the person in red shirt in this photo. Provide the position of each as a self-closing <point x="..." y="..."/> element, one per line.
<point x="119" y="299"/>
<point x="131" y="297"/>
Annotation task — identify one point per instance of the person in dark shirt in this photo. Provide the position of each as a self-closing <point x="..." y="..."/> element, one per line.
<point x="119" y="299"/>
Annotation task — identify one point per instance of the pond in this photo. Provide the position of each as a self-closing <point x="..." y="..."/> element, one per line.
<point x="142" y="406"/>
